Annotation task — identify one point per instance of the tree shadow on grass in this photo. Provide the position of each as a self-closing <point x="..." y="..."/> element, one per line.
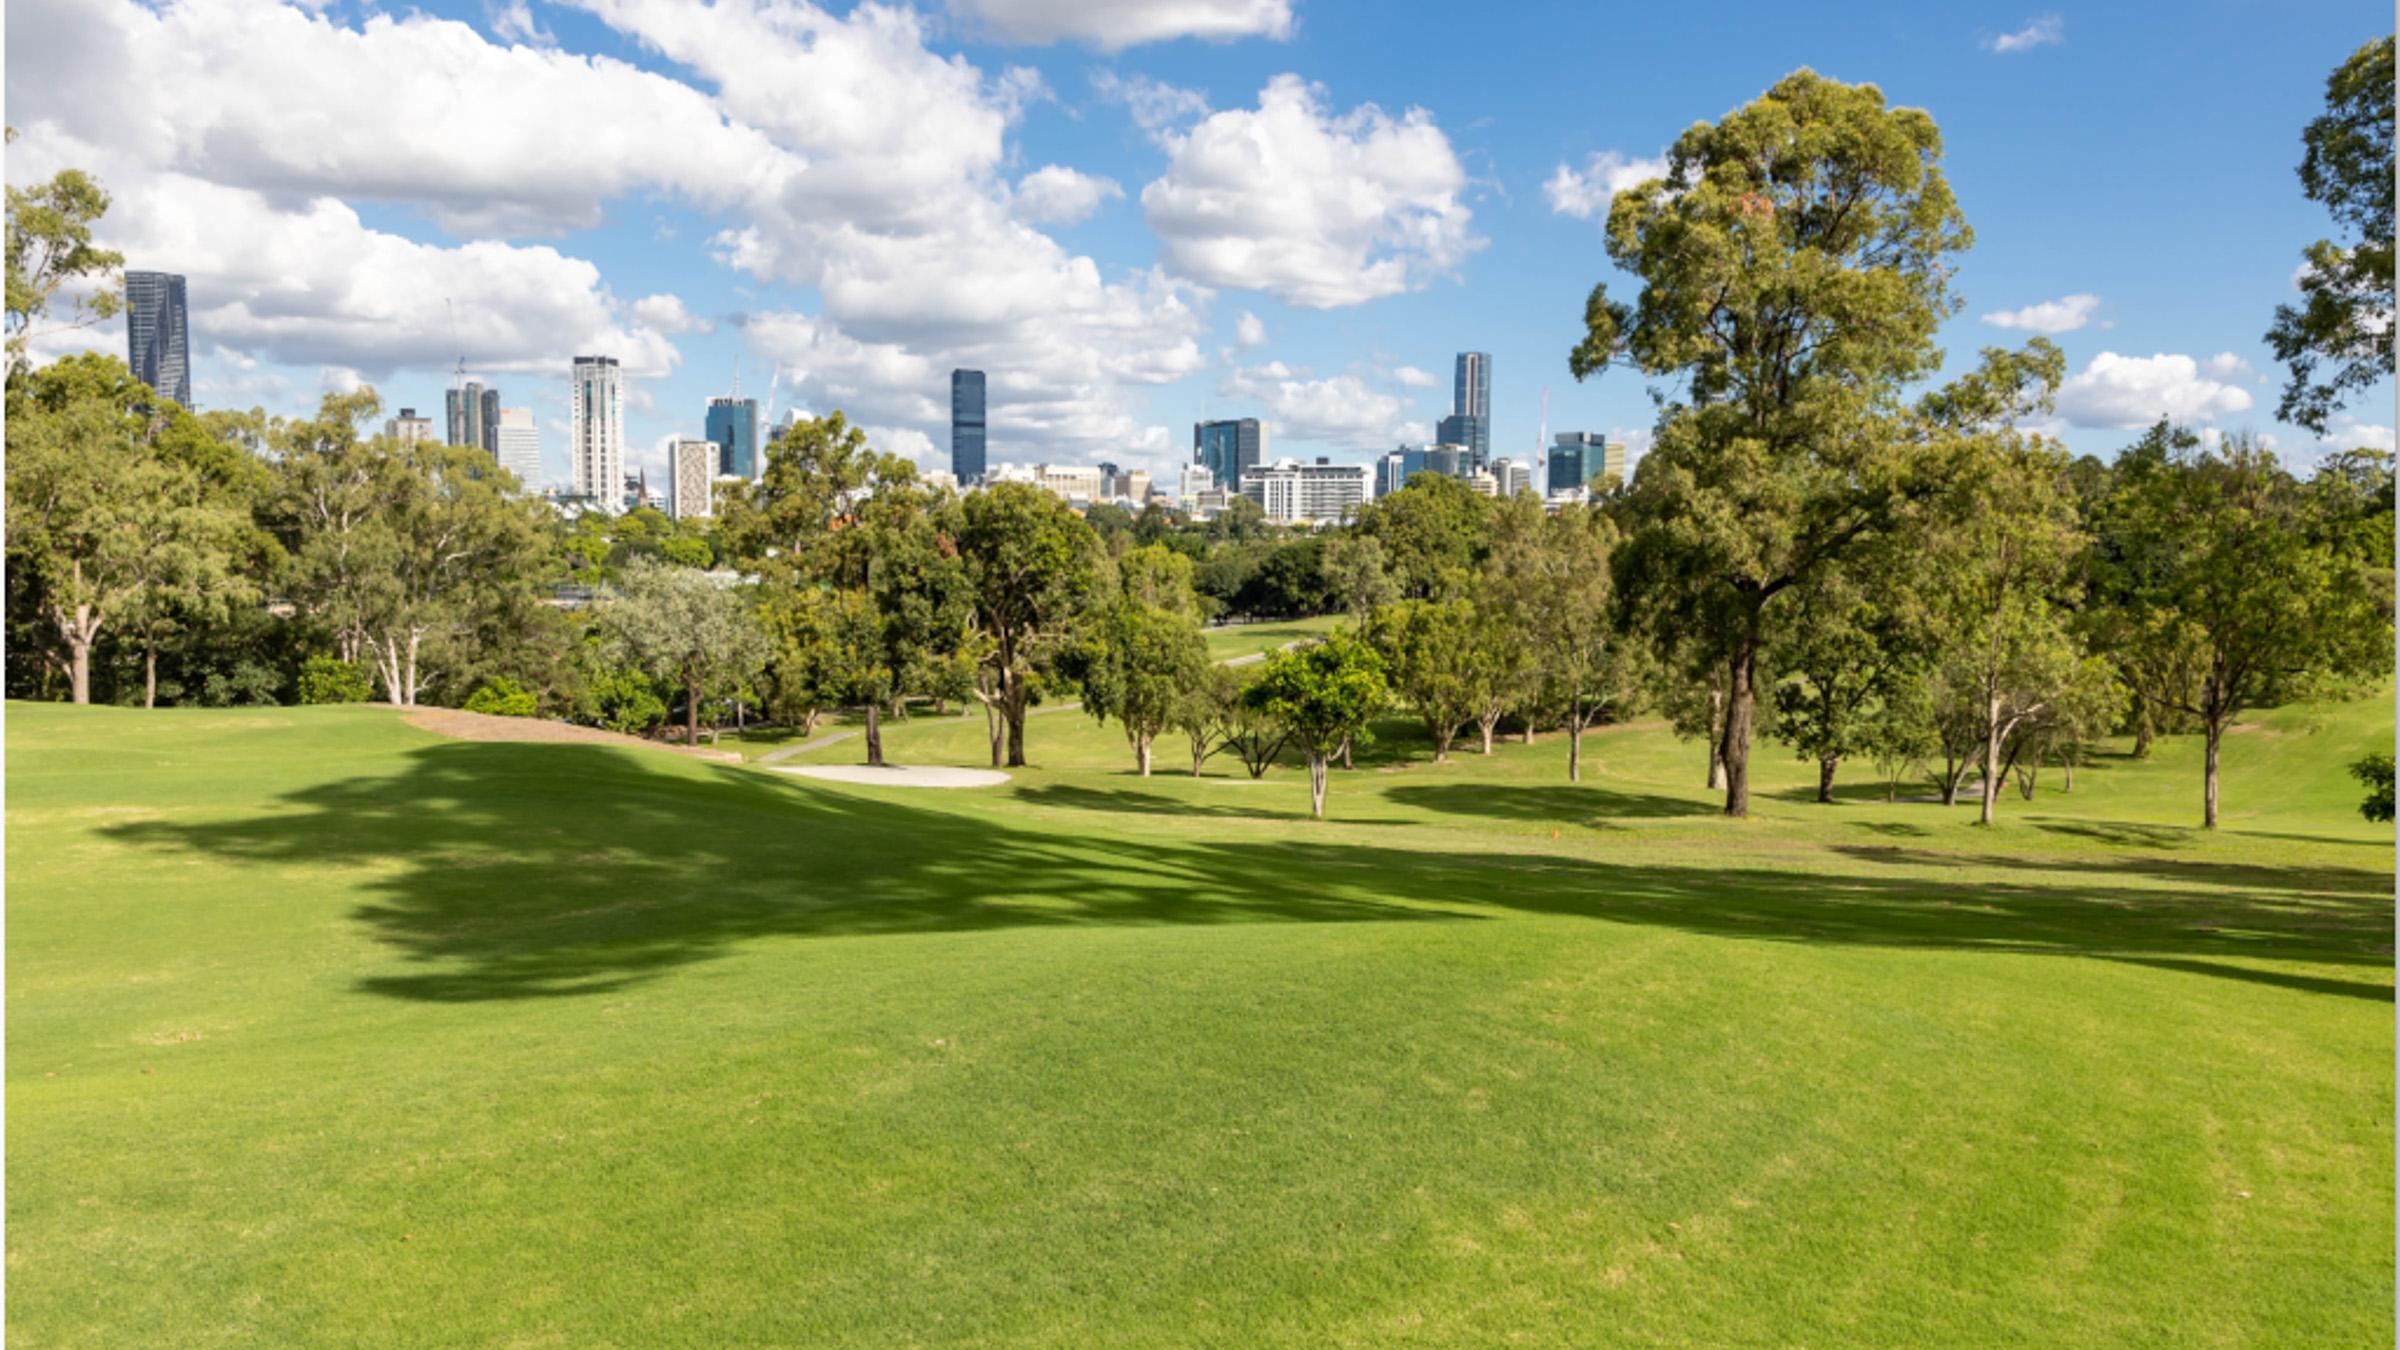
<point x="500" y="871"/>
<point x="1144" y="802"/>
<point x="1563" y="803"/>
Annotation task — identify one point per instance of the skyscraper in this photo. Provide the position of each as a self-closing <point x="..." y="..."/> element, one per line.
<point x="158" y="334"/>
<point x="520" y="446"/>
<point x="596" y="431"/>
<point x="733" y="426"/>
<point x="966" y="425"/>
<point x="1227" y="448"/>
<point x="1470" y="420"/>
<point x="474" y="416"/>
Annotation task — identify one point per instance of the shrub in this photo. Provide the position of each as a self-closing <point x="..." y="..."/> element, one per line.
<point x="328" y="679"/>
<point x="503" y="697"/>
<point x="623" y="700"/>
<point x="2376" y="772"/>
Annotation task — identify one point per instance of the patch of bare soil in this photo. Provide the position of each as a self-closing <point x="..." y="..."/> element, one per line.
<point x="467" y="726"/>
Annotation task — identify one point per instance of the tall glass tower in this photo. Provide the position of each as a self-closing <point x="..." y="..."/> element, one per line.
<point x="1470" y="420"/>
<point x="158" y="337"/>
<point x="1226" y="448"/>
<point x="966" y="426"/>
<point x="733" y="425"/>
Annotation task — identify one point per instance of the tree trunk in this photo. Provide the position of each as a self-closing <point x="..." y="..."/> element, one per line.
<point x="1441" y="744"/>
<point x="874" y="734"/>
<point x="413" y="638"/>
<point x="1991" y="763"/>
<point x="1529" y="728"/>
<point x="1574" y="748"/>
<point x="1199" y="753"/>
<point x="1825" y="768"/>
<point x="149" y="677"/>
<point x="79" y="671"/>
<point x="1488" y="723"/>
<point x="2067" y="767"/>
<point x="691" y="713"/>
<point x="2208" y="818"/>
<point x="1316" y="783"/>
<point x="1346" y="754"/>
<point x="1716" y="740"/>
<point x="992" y="729"/>
<point x="1739" y="708"/>
<point x="1141" y="752"/>
<point x="1016" y="738"/>
<point x="2142" y="731"/>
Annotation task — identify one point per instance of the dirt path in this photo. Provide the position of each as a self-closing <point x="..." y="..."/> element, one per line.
<point x="467" y="726"/>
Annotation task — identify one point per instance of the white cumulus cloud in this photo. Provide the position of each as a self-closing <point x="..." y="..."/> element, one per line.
<point x="1345" y="411"/>
<point x="2063" y="315"/>
<point x="2128" y="392"/>
<point x="1585" y="195"/>
<point x="1057" y="195"/>
<point x="1322" y="210"/>
<point x="1249" y="330"/>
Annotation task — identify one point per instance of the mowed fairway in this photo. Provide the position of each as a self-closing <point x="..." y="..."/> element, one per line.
<point x="323" y="1029"/>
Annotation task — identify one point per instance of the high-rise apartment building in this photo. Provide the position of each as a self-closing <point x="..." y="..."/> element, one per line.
<point x="158" y="334"/>
<point x="733" y="427"/>
<point x="474" y="416"/>
<point x="408" y="428"/>
<point x="691" y="485"/>
<point x="596" y="431"/>
<point x="1511" y="477"/>
<point x="966" y="425"/>
<point x="1227" y="449"/>
<point x="1294" y="493"/>
<point x="518" y="441"/>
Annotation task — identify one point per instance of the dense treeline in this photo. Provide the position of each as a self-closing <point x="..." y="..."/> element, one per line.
<point x="1827" y="547"/>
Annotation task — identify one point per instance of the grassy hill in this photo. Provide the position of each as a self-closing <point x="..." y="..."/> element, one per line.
<point x="321" y="1028"/>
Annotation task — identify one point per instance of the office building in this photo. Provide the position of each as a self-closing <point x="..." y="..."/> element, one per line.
<point x="966" y="425"/>
<point x="1393" y="470"/>
<point x="596" y="431"/>
<point x="1293" y="493"/>
<point x="408" y="428"/>
<point x="1227" y="449"/>
<point x="1448" y="460"/>
<point x="692" y="477"/>
<point x="1194" y="480"/>
<point x="517" y="442"/>
<point x="1078" y="483"/>
<point x="1512" y="476"/>
<point x="1470" y="420"/>
<point x="158" y="334"/>
<point x="1581" y="459"/>
<point x="733" y="428"/>
<point x="1483" y="482"/>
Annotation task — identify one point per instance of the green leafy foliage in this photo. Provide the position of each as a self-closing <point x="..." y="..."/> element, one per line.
<point x="2338" y="340"/>
<point x="503" y="698"/>
<point x="329" y="679"/>
<point x="2375" y="773"/>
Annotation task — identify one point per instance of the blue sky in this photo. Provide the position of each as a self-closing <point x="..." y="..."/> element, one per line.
<point x="1133" y="215"/>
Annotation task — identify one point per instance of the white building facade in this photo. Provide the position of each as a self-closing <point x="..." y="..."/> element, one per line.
<point x="692" y="478"/>
<point x="1293" y="493"/>
<point x="596" y="430"/>
<point x="520" y="446"/>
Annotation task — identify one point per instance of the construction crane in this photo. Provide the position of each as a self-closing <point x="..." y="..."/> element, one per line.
<point x="767" y="416"/>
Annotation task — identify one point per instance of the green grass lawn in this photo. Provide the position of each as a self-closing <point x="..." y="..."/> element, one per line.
<point x="1253" y="639"/>
<point x="322" y="1029"/>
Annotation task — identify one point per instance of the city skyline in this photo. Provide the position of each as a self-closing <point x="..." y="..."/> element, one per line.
<point x="1131" y="233"/>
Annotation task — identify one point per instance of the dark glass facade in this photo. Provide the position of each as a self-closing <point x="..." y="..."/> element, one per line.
<point x="733" y="425"/>
<point x="158" y="337"/>
<point x="966" y="426"/>
<point x="1226" y="448"/>
<point x="1471" y="408"/>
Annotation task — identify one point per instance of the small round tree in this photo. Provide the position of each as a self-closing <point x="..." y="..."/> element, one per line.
<point x="1321" y="695"/>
